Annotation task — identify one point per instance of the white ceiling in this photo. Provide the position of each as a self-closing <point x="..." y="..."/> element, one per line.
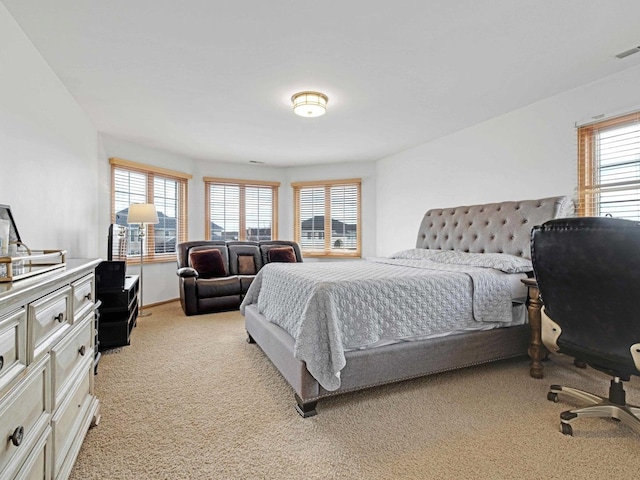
<point x="213" y="80"/>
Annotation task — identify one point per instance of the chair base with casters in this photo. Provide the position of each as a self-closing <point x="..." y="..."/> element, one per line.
<point x="613" y="407"/>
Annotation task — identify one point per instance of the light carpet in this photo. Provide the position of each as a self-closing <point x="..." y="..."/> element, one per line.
<point x="191" y="399"/>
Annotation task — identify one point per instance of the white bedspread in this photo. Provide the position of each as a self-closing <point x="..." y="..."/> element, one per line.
<point x="330" y="308"/>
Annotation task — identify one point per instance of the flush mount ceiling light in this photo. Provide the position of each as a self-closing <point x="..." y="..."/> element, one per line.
<point x="309" y="104"/>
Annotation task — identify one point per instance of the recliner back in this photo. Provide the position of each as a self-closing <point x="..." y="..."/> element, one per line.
<point x="236" y="253"/>
<point x="244" y="258"/>
<point x="267" y="245"/>
<point x="588" y="274"/>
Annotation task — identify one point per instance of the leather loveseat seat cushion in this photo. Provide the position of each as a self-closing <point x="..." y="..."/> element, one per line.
<point x="218" y="287"/>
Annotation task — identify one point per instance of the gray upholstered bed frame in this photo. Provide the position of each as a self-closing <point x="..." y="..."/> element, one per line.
<point x="492" y="228"/>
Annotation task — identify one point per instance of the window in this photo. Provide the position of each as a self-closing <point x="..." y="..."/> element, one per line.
<point x="241" y="209"/>
<point x="609" y="168"/>
<point x="327" y="217"/>
<point x="167" y="190"/>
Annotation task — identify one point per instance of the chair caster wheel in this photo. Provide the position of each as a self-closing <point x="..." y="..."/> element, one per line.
<point x="552" y="397"/>
<point x="566" y="429"/>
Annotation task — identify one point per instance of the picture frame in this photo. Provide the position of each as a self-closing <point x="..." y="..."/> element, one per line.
<point x="22" y="262"/>
<point x="5" y="214"/>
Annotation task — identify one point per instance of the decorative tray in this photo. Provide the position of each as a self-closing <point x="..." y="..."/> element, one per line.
<point x="36" y="262"/>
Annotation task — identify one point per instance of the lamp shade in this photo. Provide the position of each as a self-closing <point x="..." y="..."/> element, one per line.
<point x="309" y="104"/>
<point x="142" y="213"/>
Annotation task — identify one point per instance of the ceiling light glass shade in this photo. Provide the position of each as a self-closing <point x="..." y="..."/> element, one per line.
<point x="142" y="213"/>
<point x="309" y="104"/>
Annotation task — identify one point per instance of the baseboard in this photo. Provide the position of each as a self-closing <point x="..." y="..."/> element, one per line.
<point x="164" y="302"/>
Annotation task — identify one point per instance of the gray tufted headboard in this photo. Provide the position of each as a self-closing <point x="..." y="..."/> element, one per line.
<point x="503" y="227"/>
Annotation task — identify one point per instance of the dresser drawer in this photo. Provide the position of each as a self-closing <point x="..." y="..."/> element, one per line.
<point x="49" y="318"/>
<point x="82" y="293"/>
<point x="37" y="466"/>
<point x="70" y="421"/>
<point x="13" y="346"/>
<point x="24" y="415"/>
<point x="68" y="356"/>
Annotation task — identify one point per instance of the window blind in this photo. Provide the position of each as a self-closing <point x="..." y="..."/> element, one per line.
<point x="327" y="217"/>
<point x="241" y="209"/>
<point x="258" y="213"/>
<point x="344" y="217"/>
<point x="224" y="208"/>
<point x="167" y="190"/>
<point x="311" y="218"/>
<point x="609" y="168"/>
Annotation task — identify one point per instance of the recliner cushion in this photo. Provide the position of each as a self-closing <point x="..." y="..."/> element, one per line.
<point x="208" y="263"/>
<point x="281" y="254"/>
<point x="218" y="287"/>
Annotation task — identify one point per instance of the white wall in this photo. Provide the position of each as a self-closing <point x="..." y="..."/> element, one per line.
<point x="529" y="153"/>
<point x="48" y="151"/>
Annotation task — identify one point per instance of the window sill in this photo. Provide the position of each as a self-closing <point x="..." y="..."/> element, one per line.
<point x="135" y="259"/>
<point x="330" y="255"/>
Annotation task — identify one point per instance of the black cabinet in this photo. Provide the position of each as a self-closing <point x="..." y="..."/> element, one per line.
<point x="96" y="321"/>
<point x="118" y="312"/>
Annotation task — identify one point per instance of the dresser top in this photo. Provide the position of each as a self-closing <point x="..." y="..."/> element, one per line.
<point x="11" y="291"/>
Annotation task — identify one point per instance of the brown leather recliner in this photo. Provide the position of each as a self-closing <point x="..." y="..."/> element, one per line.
<point x="224" y="286"/>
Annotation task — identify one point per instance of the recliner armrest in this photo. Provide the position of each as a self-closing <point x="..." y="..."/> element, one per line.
<point x="186" y="272"/>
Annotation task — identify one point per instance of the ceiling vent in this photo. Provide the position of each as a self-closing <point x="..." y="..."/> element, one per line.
<point x="628" y="52"/>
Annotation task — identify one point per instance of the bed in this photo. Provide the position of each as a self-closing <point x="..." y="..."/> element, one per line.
<point x="454" y="300"/>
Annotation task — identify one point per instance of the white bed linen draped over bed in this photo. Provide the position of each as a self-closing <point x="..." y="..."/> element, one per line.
<point x="330" y="308"/>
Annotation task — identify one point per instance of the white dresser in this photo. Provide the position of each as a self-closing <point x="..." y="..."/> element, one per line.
<point x="47" y="344"/>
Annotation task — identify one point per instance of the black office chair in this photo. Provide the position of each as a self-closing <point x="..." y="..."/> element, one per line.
<point x="588" y="273"/>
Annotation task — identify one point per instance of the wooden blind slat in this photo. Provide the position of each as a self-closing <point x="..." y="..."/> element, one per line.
<point x="141" y="167"/>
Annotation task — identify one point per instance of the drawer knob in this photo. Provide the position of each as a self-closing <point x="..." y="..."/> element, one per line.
<point x="1" y="361"/>
<point x="59" y="317"/>
<point x="82" y="350"/>
<point x="17" y="436"/>
<point x="88" y="296"/>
